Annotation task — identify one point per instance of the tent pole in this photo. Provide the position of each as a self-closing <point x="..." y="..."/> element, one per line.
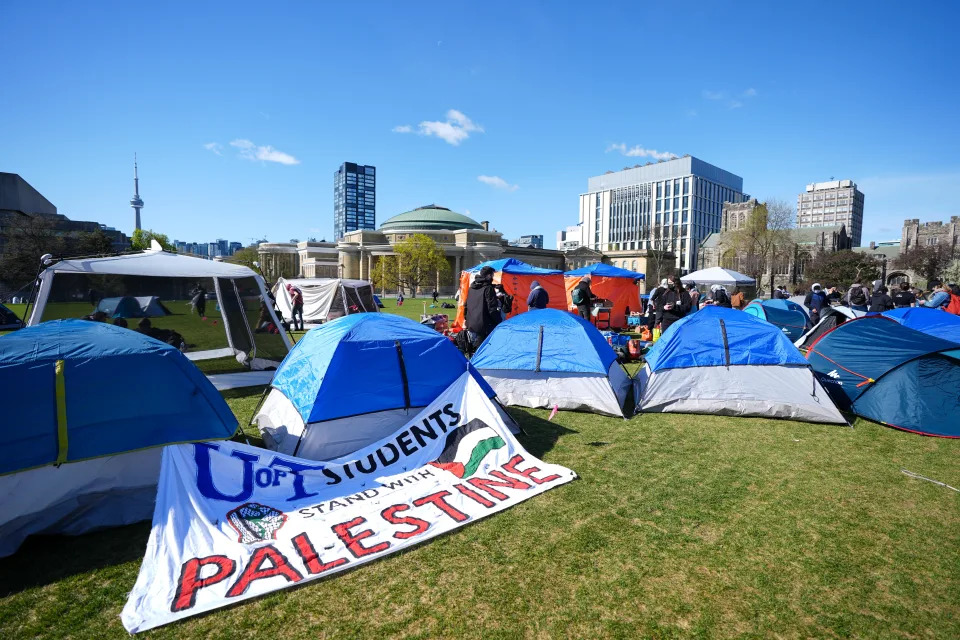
<point x="263" y="397"/>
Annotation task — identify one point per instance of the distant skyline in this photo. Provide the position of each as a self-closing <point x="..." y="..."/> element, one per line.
<point x="501" y="111"/>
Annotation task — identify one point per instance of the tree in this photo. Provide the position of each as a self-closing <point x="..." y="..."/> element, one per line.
<point x="93" y="243"/>
<point x="419" y="262"/>
<point x="658" y="261"/>
<point x="142" y="237"/>
<point x="930" y="262"/>
<point x="27" y="238"/>
<point x="384" y="275"/>
<point x="246" y="256"/>
<point x="762" y="239"/>
<point x="843" y="268"/>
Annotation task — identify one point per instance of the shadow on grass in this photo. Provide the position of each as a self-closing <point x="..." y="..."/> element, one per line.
<point x="43" y="560"/>
<point x="538" y="435"/>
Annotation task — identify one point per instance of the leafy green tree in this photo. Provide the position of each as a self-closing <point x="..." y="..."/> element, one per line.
<point x="246" y="256"/>
<point x="142" y="237"/>
<point x="420" y="263"/>
<point x="762" y="239"/>
<point x="384" y="275"/>
<point x="843" y="268"/>
<point x="93" y="243"/>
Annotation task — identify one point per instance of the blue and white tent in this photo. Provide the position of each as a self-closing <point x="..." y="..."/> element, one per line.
<point x="793" y="319"/>
<point x="725" y="362"/>
<point x="354" y="380"/>
<point x="91" y="407"/>
<point x="546" y="357"/>
<point x="934" y="322"/>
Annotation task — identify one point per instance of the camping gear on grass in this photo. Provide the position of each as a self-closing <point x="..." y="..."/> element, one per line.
<point x="223" y="331"/>
<point x="133" y="307"/>
<point x="721" y="361"/>
<point x="515" y="276"/>
<point x="789" y="316"/>
<point x="830" y="317"/>
<point x="547" y="357"/>
<point x="354" y="380"/>
<point x="326" y="299"/>
<point x="615" y="285"/>
<point x="91" y="406"/>
<point x="889" y="373"/>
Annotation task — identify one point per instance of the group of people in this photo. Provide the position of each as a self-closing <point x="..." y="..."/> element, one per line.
<point x="673" y="299"/>
<point x="879" y="298"/>
<point x="145" y="327"/>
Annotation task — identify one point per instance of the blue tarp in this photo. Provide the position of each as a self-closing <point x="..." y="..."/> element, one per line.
<point x="352" y="366"/>
<point x="123" y="392"/>
<point x="892" y="374"/>
<point x="570" y="344"/>
<point x="698" y="341"/>
<point x="512" y="265"/>
<point x="935" y="322"/>
<point x="606" y="271"/>
<point x="786" y="314"/>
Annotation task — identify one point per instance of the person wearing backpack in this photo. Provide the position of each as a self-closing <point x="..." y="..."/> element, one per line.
<point x="880" y="301"/>
<point x="581" y="296"/>
<point x="481" y="311"/>
<point x="858" y="297"/>
<point x="538" y="298"/>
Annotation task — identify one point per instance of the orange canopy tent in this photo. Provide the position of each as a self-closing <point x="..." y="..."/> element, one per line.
<point x="516" y="276"/>
<point x="619" y="286"/>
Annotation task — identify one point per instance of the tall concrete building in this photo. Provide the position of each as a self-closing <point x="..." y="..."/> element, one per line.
<point x="828" y="204"/>
<point x="136" y="201"/>
<point x="668" y="206"/>
<point x="354" y="198"/>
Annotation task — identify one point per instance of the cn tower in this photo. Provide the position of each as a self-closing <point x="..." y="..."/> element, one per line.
<point x="136" y="202"/>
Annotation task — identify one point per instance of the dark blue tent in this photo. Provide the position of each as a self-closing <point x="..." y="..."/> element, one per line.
<point x="889" y="373"/>
<point x="81" y="389"/>
<point x="786" y="314"/>
<point x="935" y="322"/>
<point x="354" y="380"/>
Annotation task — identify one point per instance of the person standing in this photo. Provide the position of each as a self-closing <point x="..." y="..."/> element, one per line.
<point x="399" y="298"/>
<point x="694" y="296"/>
<point x="199" y="300"/>
<point x="903" y="297"/>
<point x="815" y="301"/>
<point x="481" y="311"/>
<point x="880" y="301"/>
<point x="738" y="300"/>
<point x="581" y="296"/>
<point x="858" y="297"/>
<point x="940" y="297"/>
<point x="436" y="296"/>
<point x="673" y="304"/>
<point x="538" y="298"/>
<point x="296" y="302"/>
<point x="719" y="297"/>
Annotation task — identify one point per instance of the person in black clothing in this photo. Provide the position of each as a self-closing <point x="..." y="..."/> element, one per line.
<point x="903" y="297"/>
<point x="436" y="296"/>
<point x="481" y="313"/>
<point x="199" y="300"/>
<point x="582" y="296"/>
<point x="880" y="301"/>
<point x="672" y="304"/>
<point x="538" y="298"/>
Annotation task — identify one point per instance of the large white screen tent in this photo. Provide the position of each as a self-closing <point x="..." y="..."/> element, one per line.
<point x="325" y="299"/>
<point x="236" y="304"/>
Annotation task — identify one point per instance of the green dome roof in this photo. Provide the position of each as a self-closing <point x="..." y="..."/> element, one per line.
<point x="430" y="217"/>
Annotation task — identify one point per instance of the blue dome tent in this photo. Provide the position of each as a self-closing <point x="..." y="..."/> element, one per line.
<point x="546" y="357"/>
<point x="724" y="362"/>
<point x="94" y="405"/>
<point x="934" y="322"/>
<point x="353" y="380"/>
<point x="789" y="316"/>
<point x="891" y="374"/>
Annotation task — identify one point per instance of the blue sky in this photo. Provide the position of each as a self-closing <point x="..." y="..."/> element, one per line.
<point x="534" y="97"/>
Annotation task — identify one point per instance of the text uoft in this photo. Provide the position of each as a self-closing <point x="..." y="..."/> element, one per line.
<point x="406" y="443"/>
<point x="269" y="561"/>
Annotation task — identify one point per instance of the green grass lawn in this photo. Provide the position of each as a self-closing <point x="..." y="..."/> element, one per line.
<point x="679" y="526"/>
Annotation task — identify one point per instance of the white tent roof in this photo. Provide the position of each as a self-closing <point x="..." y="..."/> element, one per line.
<point x="718" y="275"/>
<point x="154" y="263"/>
<point x="300" y="283"/>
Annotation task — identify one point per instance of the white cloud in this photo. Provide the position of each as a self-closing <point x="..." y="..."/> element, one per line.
<point x="455" y="129"/>
<point x="640" y="152"/>
<point x="266" y="153"/>
<point x="732" y="102"/>
<point x="750" y="93"/>
<point x="498" y="183"/>
<point x="735" y="104"/>
<point x="215" y="147"/>
<point x="714" y="95"/>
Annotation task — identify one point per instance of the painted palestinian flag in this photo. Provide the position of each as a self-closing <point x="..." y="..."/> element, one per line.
<point x="256" y="522"/>
<point x="466" y="448"/>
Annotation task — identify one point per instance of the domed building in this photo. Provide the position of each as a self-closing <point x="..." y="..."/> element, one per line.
<point x="464" y="241"/>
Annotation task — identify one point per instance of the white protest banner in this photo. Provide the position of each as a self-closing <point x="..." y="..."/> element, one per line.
<point x="233" y="522"/>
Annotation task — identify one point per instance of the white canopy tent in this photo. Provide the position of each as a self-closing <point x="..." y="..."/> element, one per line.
<point x="719" y="275"/>
<point x="240" y="294"/>
<point x="326" y="298"/>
